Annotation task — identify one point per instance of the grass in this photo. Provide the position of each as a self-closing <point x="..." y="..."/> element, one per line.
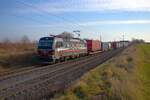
<point x="124" y="77"/>
<point x="144" y="70"/>
<point x="17" y="55"/>
<point x="13" y="48"/>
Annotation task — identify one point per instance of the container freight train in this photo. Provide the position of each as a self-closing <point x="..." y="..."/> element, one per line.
<point x="56" y="48"/>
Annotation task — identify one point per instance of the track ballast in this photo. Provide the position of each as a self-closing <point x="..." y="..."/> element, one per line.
<point x="43" y="81"/>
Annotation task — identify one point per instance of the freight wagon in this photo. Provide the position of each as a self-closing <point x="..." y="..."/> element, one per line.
<point x="109" y="45"/>
<point x="125" y="43"/>
<point x="93" y="45"/>
<point x="122" y="44"/>
<point x="119" y="44"/>
<point x="113" y="45"/>
<point x="105" y="46"/>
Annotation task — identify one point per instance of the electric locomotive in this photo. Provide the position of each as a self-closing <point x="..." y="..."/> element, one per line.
<point x="55" y="48"/>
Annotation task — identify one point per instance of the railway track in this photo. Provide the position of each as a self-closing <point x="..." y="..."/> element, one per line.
<point x="40" y="82"/>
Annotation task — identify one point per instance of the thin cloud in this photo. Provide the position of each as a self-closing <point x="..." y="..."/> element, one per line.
<point x="91" y="5"/>
<point x="116" y="22"/>
<point x="96" y="23"/>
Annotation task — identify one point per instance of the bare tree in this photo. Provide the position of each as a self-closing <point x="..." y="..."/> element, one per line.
<point x="6" y="41"/>
<point x="25" y="39"/>
<point x="138" y="40"/>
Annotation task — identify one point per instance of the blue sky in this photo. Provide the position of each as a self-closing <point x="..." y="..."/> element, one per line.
<point x="108" y="18"/>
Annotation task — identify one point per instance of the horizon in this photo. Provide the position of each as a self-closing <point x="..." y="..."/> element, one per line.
<point x="109" y="19"/>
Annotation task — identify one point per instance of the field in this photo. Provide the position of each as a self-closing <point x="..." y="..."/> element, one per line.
<point x="17" y="55"/>
<point x="124" y="77"/>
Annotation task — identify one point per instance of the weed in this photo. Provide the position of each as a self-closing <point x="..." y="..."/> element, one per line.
<point x="129" y="59"/>
<point x="125" y="77"/>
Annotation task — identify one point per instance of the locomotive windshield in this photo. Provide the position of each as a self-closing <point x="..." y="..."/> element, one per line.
<point x="46" y="43"/>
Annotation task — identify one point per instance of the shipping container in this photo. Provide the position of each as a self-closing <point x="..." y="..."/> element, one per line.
<point x="122" y="44"/>
<point x="119" y="44"/>
<point x="126" y="43"/>
<point x="93" y="45"/>
<point x="109" y="45"/>
<point x="113" y="45"/>
<point x="105" y="46"/>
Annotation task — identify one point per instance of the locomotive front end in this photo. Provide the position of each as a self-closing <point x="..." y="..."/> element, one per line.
<point x="46" y="48"/>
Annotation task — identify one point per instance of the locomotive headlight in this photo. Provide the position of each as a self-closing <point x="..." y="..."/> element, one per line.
<point x="51" y="52"/>
<point x="39" y="51"/>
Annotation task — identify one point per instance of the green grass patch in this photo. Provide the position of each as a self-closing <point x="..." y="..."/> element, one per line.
<point x="144" y="69"/>
<point x="125" y="77"/>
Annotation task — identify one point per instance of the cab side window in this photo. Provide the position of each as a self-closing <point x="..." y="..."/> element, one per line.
<point x="66" y="45"/>
<point x="59" y="44"/>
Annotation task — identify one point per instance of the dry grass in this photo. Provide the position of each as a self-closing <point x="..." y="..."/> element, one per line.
<point x="125" y="77"/>
<point x="16" y="55"/>
<point x="10" y="48"/>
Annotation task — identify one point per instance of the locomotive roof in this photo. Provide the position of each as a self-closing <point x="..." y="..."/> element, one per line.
<point x="49" y="37"/>
<point x="71" y="39"/>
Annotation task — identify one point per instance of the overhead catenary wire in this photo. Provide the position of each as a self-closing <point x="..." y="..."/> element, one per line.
<point x="34" y="20"/>
<point x="47" y="13"/>
<point x="30" y="18"/>
<point x="72" y="23"/>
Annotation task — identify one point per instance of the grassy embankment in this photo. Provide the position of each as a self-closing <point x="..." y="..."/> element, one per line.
<point x="124" y="77"/>
<point x="16" y="55"/>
